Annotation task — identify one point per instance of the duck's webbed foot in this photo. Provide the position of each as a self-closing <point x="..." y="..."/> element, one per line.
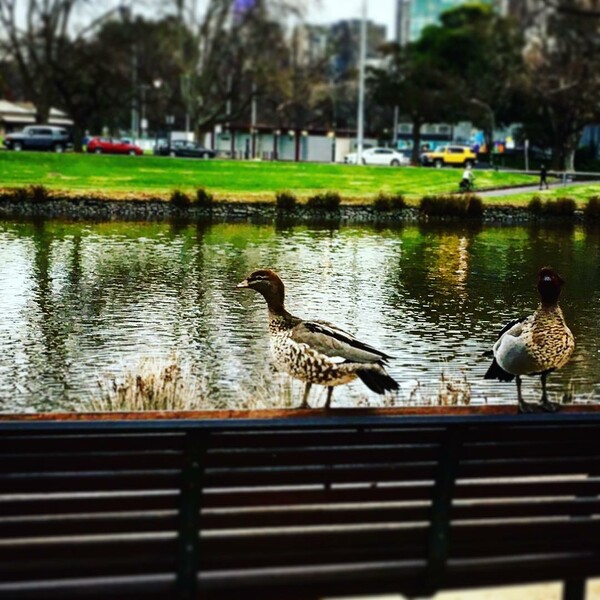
<point x="548" y="406"/>
<point x="526" y="407"/>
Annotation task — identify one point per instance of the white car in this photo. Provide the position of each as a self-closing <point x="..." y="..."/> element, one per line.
<point x="379" y="156"/>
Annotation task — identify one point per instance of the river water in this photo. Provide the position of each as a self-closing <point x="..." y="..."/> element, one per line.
<point x="85" y="304"/>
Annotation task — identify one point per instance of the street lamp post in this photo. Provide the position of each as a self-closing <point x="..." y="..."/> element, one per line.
<point x="170" y="120"/>
<point x="361" y="85"/>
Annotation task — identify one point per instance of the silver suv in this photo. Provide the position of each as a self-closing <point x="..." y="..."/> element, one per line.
<point x="39" y="137"/>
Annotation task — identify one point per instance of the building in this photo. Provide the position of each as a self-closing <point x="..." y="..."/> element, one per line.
<point x="344" y="45"/>
<point x="412" y="16"/>
<point x="14" y="116"/>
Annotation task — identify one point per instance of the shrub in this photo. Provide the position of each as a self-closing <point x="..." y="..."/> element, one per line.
<point x="398" y="202"/>
<point x="38" y="193"/>
<point x="203" y="198"/>
<point x="285" y="201"/>
<point x="180" y="199"/>
<point x="561" y="207"/>
<point x="20" y="194"/>
<point x="385" y="202"/>
<point x="535" y="206"/>
<point x="474" y="206"/>
<point x="592" y="208"/>
<point x="451" y="206"/>
<point x="382" y="202"/>
<point x="327" y="201"/>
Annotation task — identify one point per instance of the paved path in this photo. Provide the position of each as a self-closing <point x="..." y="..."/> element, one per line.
<point x="524" y="189"/>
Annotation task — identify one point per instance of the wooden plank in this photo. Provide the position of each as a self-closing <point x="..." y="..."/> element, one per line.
<point x="259" y="457"/>
<point x="89" y="461"/>
<point x="90" y="442"/>
<point x="89" y="503"/>
<point x="155" y="586"/>
<point x="502" y="488"/>
<point x="87" y="524"/>
<point x="324" y="494"/>
<point x="327" y="474"/>
<point x="520" y="467"/>
<point x="294" y="413"/>
<point x="93" y="481"/>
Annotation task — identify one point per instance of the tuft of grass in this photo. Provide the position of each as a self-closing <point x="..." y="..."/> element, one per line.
<point x="592" y="209"/>
<point x="285" y="201"/>
<point x="561" y="207"/>
<point x="386" y="202"/>
<point x="328" y="201"/>
<point x="180" y="199"/>
<point x="38" y="194"/>
<point x="154" y="385"/>
<point x="536" y="206"/>
<point x="451" y="206"/>
<point x="203" y="198"/>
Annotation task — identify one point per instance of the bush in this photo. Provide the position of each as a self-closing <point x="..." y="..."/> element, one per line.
<point x="180" y="199"/>
<point x="592" y="209"/>
<point x="535" y="206"/>
<point x="474" y="206"/>
<point x="451" y="206"/>
<point x="327" y="201"/>
<point x="203" y="198"/>
<point x="382" y="202"/>
<point x="398" y="202"/>
<point x="386" y="202"/>
<point x="38" y="193"/>
<point x="285" y="201"/>
<point x="561" y="207"/>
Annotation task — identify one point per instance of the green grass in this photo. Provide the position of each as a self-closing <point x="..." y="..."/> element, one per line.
<point x="237" y="180"/>
<point x="580" y="193"/>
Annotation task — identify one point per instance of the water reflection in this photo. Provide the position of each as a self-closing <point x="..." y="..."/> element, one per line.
<point x="80" y="301"/>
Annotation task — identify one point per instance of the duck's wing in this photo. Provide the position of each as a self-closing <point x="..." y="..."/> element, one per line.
<point x="334" y="342"/>
<point x="514" y="328"/>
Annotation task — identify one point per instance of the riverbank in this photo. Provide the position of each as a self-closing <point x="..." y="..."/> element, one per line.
<point x="74" y="207"/>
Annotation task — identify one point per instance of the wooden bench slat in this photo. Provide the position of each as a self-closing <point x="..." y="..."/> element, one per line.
<point x="89" y="461"/>
<point x="78" y="524"/>
<point x="89" y="481"/>
<point x="153" y="586"/>
<point x="91" y="442"/>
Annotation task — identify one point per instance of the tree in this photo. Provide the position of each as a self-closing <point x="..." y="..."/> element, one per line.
<point x="36" y="37"/>
<point x="481" y="51"/>
<point x="563" y="83"/>
<point x="415" y="84"/>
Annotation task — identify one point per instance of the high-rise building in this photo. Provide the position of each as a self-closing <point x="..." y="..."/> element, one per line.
<point x="412" y="16"/>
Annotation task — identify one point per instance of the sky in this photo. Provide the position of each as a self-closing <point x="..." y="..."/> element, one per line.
<point x="326" y="11"/>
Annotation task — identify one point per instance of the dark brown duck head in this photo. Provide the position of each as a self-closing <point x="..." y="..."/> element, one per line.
<point x="549" y="286"/>
<point x="267" y="283"/>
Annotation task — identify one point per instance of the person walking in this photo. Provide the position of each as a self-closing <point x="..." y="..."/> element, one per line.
<point x="543" y="176"/>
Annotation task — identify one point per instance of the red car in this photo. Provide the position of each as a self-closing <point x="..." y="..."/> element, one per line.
<point x="99" y="145"/>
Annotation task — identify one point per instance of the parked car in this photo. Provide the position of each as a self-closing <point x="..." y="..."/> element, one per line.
<point x="379" y="156"/>
<point x="39" y="137"/>
<point x="449" y="155"/>
<point x="100" y="145"/>
<point x="185" y="149"/>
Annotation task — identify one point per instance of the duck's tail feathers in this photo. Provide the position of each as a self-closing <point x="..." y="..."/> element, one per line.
<point x="377" y="380"/>
<point x="497" y="372"/>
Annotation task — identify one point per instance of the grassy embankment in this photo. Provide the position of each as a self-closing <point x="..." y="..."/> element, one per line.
<point x="147" y="176"/>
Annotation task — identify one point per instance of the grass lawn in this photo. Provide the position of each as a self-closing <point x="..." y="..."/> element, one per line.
<point x="580" y="193"/>
<point x="124" y="176"/>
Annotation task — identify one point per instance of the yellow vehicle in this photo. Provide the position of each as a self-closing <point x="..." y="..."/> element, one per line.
<point x="450" y="155"/>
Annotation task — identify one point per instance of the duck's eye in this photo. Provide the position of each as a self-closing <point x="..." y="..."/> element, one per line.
<point x="259" y="278"/>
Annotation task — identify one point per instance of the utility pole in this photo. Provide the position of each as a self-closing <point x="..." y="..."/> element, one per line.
<point x="361" y="85"/>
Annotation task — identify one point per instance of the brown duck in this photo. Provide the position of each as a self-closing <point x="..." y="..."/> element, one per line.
<point x="534" y="345"/>
<point x="315" y="351"/>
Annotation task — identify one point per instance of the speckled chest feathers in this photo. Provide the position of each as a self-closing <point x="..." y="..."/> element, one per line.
<point x="548" y="339"/>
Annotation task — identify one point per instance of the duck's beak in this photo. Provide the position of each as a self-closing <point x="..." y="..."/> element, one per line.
<point x="243" y="284"/>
